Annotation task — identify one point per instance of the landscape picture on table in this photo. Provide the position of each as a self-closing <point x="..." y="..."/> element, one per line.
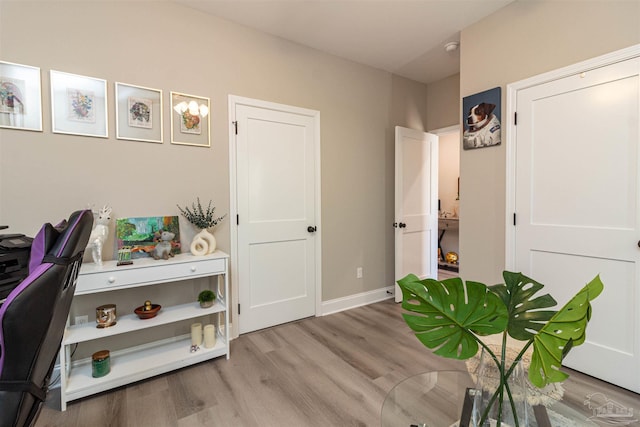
<point x="141" y="235"/>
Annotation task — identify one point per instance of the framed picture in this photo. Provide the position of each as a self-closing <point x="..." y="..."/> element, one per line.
<point x="20" y="97"/>
<point x="190" y="120"/>
<point x="78" y="105"/>
<point x="140" y="236"/>
<point x="138" y="113"/>
<point x="481" y="117"/>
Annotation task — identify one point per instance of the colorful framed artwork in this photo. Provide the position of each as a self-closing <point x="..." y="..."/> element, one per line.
<point x="78" y="105"/>
<point x="481" y="118"/>
<point x="190" y="122"/>
<point x="140" y="236"/>
<point x="20" y="97"/>
<point x="138" y="113"/>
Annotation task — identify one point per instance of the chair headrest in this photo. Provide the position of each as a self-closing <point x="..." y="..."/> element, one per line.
<point x="54" y="240"/>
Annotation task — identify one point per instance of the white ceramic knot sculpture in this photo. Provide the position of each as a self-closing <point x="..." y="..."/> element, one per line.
<point x="203" y="243"/>
<point x="99" y="234"/>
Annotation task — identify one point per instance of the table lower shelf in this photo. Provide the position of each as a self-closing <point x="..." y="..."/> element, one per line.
<point x="448" y="266"/>
<point x="138" y="363"/>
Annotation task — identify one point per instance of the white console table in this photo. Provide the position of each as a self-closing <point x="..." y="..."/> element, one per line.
<point x="150" y="359"/>
<point x="444" y="225"/>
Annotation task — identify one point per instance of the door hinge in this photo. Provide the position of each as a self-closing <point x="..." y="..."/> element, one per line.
<point x="514" y="219"/>
<point x="235" y="125"/>
<point x="238" y="309"/>
<point x="237" y="219"/>
<point x="515" y="119"/>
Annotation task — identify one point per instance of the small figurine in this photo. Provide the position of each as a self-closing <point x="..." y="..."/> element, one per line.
<point x="99" y="234"/>
<point x="163" y="248"/>
<point x="124" y="256"/>
<point x="147" y="305"/>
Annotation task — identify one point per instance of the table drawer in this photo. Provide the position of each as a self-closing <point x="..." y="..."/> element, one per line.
<point x="147" y="275"/>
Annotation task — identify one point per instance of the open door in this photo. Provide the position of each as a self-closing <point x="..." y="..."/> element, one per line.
<point x="416" y="205"/>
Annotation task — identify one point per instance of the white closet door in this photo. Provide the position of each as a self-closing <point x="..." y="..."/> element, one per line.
<point x="577" y="206"/>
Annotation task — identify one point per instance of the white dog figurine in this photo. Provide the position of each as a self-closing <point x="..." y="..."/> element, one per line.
<point x="99" y="234"/>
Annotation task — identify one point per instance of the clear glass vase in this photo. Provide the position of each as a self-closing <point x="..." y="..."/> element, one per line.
<point x="488" y="408"/>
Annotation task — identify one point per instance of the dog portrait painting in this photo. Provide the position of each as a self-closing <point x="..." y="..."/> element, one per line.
<point x="481" y="118"/>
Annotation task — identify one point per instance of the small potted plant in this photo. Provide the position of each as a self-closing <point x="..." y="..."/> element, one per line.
<point x="206" y="298"/>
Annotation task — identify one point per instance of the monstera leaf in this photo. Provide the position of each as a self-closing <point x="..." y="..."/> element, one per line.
<point x="566" y="329"/>
<point x="450" y="313"/>
<point x="526" y="316"/>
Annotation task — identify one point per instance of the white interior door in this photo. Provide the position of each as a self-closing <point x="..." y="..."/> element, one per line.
<point x="576" y="200"/>
<point x="278" y="216"/>
<point x="416" y="205"/>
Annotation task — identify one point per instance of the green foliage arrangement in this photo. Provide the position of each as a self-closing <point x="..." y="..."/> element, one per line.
<point x="451" y="317"/>
<point x="206" y="296"/>
<point x="199" y="217"/>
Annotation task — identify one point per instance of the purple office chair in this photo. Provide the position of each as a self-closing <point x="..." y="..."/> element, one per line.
<point x="33" y="318"/>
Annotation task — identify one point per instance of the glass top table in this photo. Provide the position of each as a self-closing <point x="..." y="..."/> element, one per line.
<point x="432" y="399"/>
<point x="435" y="399"/>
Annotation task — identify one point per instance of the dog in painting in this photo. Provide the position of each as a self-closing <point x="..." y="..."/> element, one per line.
<point x="483" y="127"/>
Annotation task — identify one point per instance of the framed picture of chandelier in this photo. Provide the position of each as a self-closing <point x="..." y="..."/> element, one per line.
<point x="190" y="121"/>
<point x="138" y="113"/>
<point x="20" y="97"/>
<point x="78" y="105"/>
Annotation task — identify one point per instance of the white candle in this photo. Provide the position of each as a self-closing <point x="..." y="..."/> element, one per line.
<point x="209" y="336"/>
<point x="196" y="334"/>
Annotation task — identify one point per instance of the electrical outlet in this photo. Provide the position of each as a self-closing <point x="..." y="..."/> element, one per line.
<point x="81" y="320"/>
<point x="359" y="273"/>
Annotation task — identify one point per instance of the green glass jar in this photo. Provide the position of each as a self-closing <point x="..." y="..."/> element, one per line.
<point x="100" y="364"/>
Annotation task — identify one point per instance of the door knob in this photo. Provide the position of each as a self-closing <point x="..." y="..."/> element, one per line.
<point x="312" y="229"/>
<point x="402" y="225"/>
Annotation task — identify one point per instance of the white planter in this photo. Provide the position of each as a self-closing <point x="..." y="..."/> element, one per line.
<point x="203" y="243"/>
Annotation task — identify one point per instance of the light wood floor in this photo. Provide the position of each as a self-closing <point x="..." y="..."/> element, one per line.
<point x="328" y="371"/>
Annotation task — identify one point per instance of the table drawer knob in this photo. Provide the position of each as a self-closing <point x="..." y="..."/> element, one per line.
<point x="193" y="269"/>
<point x="111" y="279"/>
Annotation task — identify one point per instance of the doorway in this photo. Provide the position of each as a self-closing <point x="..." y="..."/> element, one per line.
<point x="274" y="153"/>
<point x="448" y="253"/>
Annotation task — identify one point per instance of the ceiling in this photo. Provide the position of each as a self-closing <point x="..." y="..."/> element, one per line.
<point x="404" y="37"/>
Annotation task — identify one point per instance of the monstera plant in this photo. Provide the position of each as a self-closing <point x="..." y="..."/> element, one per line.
<point x="451" y="317"/>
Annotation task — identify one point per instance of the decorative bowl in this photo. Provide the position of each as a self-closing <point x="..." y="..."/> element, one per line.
<point x="148" y="314"/>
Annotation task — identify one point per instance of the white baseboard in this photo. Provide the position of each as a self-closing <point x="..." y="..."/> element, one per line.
<point x="357" y="300"/>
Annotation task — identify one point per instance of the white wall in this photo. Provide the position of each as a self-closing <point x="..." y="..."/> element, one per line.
<point x="521" y="40"/>
<point x="45" y="176"/>
<point x="449" y="170"/>
<point x="443" y="102"/>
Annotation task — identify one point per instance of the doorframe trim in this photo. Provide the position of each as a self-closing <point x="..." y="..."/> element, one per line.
<point x="233" y="101"/>
<point x="511" y="140"/>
